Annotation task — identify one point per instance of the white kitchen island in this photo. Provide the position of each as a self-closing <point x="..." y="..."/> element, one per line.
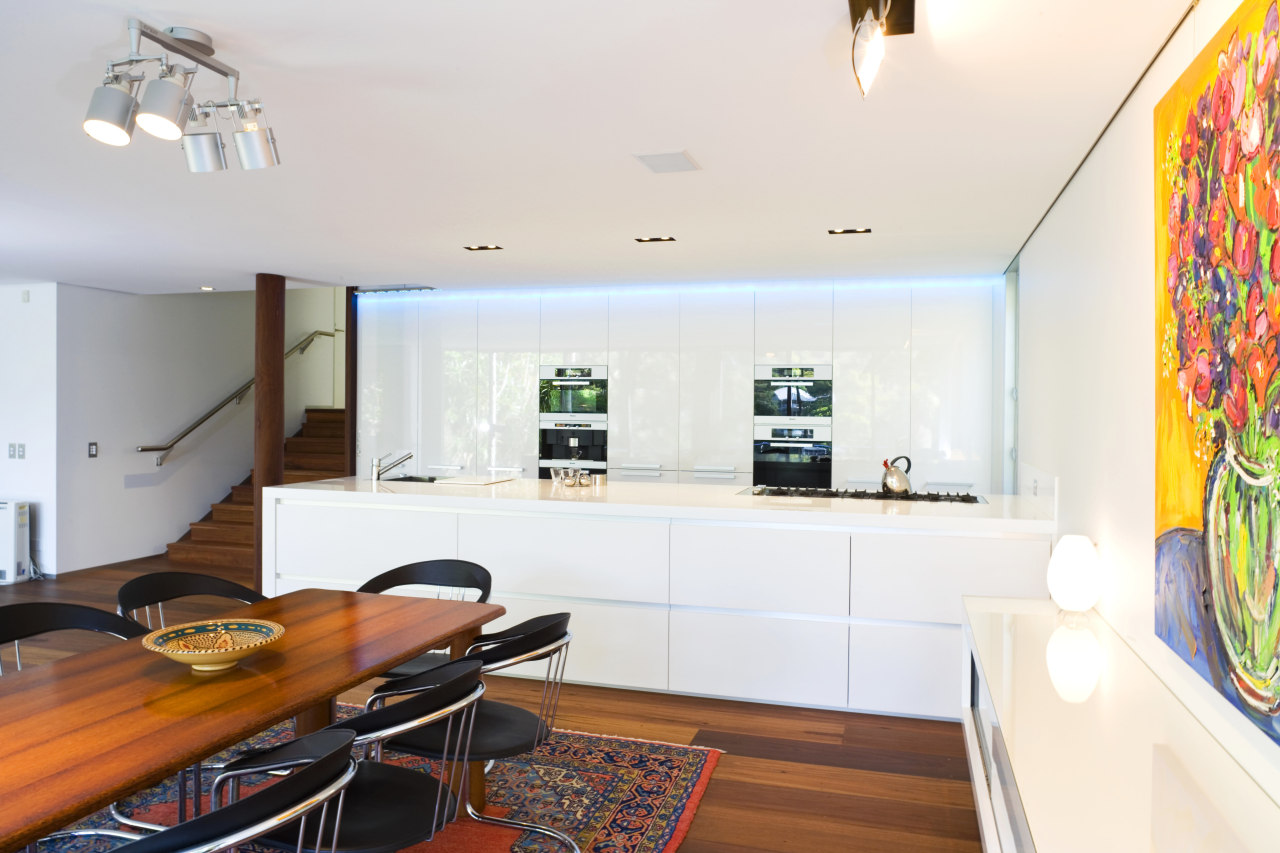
<point x="695" y="589"/>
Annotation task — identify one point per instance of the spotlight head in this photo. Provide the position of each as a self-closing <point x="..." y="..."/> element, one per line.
<point x="255" y="146"/>
<point x="868" y="50"/>
<point x="166" y="104"/>
<point x="205" y="151"/>
<point x="112" y="111"/>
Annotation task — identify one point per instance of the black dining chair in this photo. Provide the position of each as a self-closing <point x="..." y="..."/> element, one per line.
<point x="503" y="730"/>
<point x="387" y="807"/>
<point x="135" y="597"/>
<point x="28" y="619"/>
<point x="319" y="768"/>
<point x="445" y="578"/>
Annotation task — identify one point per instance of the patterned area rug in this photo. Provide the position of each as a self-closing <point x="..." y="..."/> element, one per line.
<point x="613" y="795"/>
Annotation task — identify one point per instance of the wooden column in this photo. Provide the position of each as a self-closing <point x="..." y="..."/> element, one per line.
<point x="268" y="401"/>
<point x="352" y="393"/>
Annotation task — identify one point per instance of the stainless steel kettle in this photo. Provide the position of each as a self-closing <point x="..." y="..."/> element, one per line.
<point x="895" y="479"/>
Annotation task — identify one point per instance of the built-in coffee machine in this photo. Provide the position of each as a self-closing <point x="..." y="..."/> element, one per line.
<point x="573" y="418"/>
<point x="792" y="431"/>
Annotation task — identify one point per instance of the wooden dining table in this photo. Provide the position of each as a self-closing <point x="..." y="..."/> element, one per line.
<point x="86" y="730"/>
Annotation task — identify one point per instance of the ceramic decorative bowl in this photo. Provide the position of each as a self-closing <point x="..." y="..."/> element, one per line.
<point x="213" y="644"/>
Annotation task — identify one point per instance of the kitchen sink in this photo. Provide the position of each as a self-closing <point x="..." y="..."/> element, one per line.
<point x="409" y="478"/>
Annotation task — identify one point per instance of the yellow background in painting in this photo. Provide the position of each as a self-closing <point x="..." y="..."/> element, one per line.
<point x="1180" y="475"/>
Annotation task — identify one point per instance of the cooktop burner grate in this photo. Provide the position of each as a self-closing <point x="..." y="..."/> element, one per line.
<point x="797" y="492"/>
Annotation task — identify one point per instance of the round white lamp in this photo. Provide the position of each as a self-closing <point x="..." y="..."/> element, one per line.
<point x="1075" y="576"/>
<point x="1074" y="658"/>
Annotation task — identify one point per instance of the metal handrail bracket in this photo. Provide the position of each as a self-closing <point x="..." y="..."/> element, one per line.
<point x="234" y="397"/>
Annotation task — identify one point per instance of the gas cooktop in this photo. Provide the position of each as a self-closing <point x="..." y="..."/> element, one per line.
<point x="803" y="492"/>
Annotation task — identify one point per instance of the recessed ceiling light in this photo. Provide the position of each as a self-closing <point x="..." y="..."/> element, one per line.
<point x="848" y="230"/>
<point x="677" y="161"/>
<point x="206" y="287"/>
<point x="655" y="239"/>
<point x="481" y="248"/>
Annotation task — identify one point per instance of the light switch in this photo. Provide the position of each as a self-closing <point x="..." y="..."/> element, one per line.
<point x="13" y="450"/>
<point x="22" y="451"/>
<point x="93" y="450"/>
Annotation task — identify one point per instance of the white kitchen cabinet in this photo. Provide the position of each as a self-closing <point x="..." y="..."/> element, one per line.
<point x="715" y="476"/>
<point x="574" y="328"/>
<point x="447" y="405"/>
<point x="717" y="360"/>
<point x="871" y="389"/>
<point x="951" y="386"/>
<point x="794" y="324"/>
<point x="921" y="578"/>
<point x="624" y="560"/>
<point x="387" y="401"/>
<point x="639" y="473"/>
<point x="746" y="656"/>
<point x="613" y="644"/>
<point x="644" y="385"/>
<point x="760" y="568"/>
<point x="905" y="669"/>
<point x="315" y="546"/>
<point x="507" y="387"/>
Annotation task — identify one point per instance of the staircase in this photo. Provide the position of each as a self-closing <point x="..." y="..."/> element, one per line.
<point x="224" y="537"/>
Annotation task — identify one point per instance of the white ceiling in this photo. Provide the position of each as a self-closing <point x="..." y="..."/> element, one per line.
<point x="410" y="128"/>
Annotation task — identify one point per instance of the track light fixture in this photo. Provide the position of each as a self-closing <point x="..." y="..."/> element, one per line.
<point x="872" y="21"/>
<point x="168" y="106"/>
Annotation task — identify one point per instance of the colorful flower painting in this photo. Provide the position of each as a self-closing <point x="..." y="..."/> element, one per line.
<point x="1217" y="179"/>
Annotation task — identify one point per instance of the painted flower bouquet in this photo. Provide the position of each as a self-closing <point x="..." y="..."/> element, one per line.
<point x="1223" y="283"/>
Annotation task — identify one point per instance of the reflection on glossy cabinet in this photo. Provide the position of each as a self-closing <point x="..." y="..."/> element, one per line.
<point x="574" y="328"/>
<point x="644" y="399"/>
<point x="387" y="405"/>
<point x="507" y="393"/>
<point x="717" y="357"/>
<point x="951" y="386"/>
<point x="793" y="324"/>
<point x="871" y="394"/>
<point x="447" y="419"/>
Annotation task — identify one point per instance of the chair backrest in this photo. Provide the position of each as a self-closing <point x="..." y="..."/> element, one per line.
<point x="156" y="588"/>
<point x="31" y="618"/>
<point x="328" y="768"/>
<point x="540" y="638"/>
<point x="457" y="579"/>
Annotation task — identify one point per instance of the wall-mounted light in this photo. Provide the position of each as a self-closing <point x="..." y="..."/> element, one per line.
<point x="168" y="106"/>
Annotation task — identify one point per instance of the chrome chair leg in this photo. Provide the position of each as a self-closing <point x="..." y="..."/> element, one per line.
<point x="528" y="827"/>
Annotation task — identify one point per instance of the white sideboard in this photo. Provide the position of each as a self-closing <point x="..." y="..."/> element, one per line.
<point x="694" y="589"/>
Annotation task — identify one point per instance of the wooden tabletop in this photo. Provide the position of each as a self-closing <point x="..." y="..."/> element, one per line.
<point x="87" y="730"/>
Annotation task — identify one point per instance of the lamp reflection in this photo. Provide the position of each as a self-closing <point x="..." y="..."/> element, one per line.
<point x="1074" y="657"/>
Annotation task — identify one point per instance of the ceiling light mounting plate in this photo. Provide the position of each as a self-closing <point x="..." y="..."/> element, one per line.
<point x="198" y="41"/>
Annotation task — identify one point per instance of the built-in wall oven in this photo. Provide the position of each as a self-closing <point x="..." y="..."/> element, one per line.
<point x="573" y="417"/>
<point x="792" y="431"/>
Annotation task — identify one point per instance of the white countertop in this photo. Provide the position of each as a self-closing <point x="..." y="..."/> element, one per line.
<point x="1128" y="768"/>
<point x="1001" y="514"/>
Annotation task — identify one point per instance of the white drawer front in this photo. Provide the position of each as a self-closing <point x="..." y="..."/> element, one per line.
<point x="579" y="558"/>
<point x="903" y="669"/>
<point x="741" y="479"/>
<point x="921" y="578"/>
<point x="786" y="660"/>
<point x="752" y="568"/>
<point x="645" y="474"/>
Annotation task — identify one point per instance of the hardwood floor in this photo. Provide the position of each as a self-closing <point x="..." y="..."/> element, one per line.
<point x="789" y="779"/>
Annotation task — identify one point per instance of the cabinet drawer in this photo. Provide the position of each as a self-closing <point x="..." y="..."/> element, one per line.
<point x="717" y="478"/>
<point x="790" y="660"/>
<point x="317" y="541"/>
<point x="644" y="473"/>
<point x="753" y="568"/>
<point x="906" y="669"/>
<point x="921" y="578"/>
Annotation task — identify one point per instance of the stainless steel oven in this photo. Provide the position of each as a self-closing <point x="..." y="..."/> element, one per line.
<point x="792" y="456"/>
<point x="580" y="392"/>
<point x="793" y="394"/>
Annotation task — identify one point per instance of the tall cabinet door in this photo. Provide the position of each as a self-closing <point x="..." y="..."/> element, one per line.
<point x="507" y="367"/>
<point x="448" y="404"/>
<point x="575" y="328"/>
<point x="387" y="405"/>
<point x="716" y="375"/>
<point x="951" y="388"/>
<point x="871" y="394"/>
<point x="644" y="384"/>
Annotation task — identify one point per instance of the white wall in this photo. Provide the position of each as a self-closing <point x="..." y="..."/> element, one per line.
<point x="1087" y="385"/>
<point x="28" y="407"/>
<point x="133" y="370"/>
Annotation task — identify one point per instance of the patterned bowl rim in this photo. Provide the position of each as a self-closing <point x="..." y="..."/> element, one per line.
<point x="157" y="641"/>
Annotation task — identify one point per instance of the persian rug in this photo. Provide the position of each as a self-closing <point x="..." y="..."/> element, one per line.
<point x="611" y="794"/>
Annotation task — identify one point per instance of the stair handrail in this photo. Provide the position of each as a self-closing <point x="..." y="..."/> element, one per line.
<point x="235" y="396"/>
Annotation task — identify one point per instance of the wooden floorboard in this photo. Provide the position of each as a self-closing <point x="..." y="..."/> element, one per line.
<point x="791" y="779"/>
